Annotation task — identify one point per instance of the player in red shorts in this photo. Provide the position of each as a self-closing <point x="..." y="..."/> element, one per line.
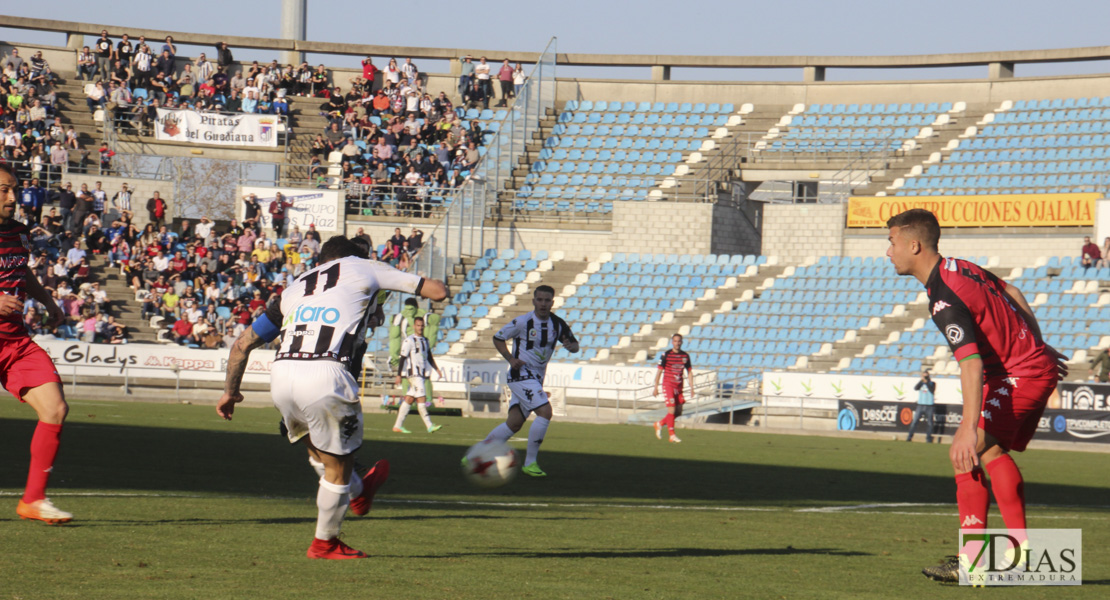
<point x="672" y="364"/>
<point x="1007" y="372"/>
<point x="26" y="369"/>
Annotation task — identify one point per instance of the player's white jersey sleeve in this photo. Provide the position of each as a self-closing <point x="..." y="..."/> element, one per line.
<point x="512" y="329"/>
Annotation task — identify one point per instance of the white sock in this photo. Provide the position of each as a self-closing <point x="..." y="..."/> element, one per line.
<point x="317" y="466"/>
<point x="424" y="414"/>
<point x="331" y="503"/>
<point x="535" y="438"/>
<point x="501" y="433"/>
<point x="355" y="486"/>
<point x="402" y="412"/>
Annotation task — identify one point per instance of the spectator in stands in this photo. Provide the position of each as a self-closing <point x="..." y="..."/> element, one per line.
<point x="518" y="79"/>
<point x="278" y="209"/>
<point x="1100" y="366"/>
<point x="1090" y="253"/>
<point x="505" y="77"/>
<point x="86" y="64"/>
<point x="156" y="206"/>
<point x="96" y="97"/>
<point x="104" y="53"/>
<point x="182" y="332"/>
<point x="476" y="95"/>
<point x="1105" y="251"/>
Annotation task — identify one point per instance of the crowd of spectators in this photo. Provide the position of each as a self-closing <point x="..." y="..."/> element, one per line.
<point x="209" y="282"/>
<point x="399" y="148"/>
<point x="33" y="138"/>
<point x="68" y="228"/>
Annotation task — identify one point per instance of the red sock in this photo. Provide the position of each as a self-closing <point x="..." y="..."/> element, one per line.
<point x="44" y="447"/>
<point x="670" y="423"/>
<point x="973" y="499"/>
<point x="1009" y="490"/>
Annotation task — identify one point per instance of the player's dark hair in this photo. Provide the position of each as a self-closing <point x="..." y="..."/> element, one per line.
<point x="921" y="224"/>
<point x="7" y="168"/>
<point x="336" y="247"/>
<point x="544" y="288"/>
<point x="421" y="319"/>
<point x="412" y="302"/>
<point x="677" y="335"/>
<point x="363" y="245"/>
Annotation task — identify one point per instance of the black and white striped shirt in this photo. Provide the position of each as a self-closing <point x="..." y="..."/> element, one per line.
<point x="416" y="357"/>
<point x="534" y="343"/>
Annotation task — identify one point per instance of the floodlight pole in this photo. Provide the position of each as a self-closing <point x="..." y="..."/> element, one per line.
<point x="293" y="20"/>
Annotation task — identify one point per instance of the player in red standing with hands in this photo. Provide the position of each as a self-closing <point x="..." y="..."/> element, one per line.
<point x="1007" y="372"/>
<point x="26" y="369"/>
<point x="672" y="365"/>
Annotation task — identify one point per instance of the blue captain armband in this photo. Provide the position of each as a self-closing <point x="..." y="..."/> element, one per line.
<point x="265" y="329"/>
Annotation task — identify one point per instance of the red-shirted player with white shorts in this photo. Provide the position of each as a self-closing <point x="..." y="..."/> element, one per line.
<point x="26" y="369"/>
<point x="672" y="365"/>
<point x="1007" y="372"/>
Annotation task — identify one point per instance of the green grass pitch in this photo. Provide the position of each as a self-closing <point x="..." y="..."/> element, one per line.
<point x="172" y="502"/>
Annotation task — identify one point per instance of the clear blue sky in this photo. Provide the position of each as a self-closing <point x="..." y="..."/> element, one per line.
<point x="768" y="27"/>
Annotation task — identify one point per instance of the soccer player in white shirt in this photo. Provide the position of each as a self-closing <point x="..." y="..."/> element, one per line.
<point x="416" y="357"/>
<point x="534" y="337"/>
<point x="321" y="317"/>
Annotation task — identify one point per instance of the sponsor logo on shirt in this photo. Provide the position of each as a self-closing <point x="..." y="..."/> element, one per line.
<point x="995" y="402"/>
<point x="312" y="314"/>
<point x="954" y="333"/>
<point x="939" y="306"/>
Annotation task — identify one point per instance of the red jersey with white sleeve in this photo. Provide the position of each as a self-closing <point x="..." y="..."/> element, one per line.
<point x="970" y="307"/>
<point x="15" y="247"/>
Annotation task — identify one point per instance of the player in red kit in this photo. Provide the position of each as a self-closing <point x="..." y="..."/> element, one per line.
<point x="26" y="369"/>
<point x="1007" y="372"/>
<point x="672" y="365"/>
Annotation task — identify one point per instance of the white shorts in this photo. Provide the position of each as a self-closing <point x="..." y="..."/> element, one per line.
<point x="416" y="387"/>
<point x="528" y="395"/>
<point x="319" y="399"/>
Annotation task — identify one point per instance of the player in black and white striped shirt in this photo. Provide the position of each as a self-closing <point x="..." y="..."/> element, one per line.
<point x="321" y="318"/>
<point x="416" y="357"/>
<point x="535" y="336"/>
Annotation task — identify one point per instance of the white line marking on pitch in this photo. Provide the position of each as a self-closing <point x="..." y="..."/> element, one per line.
<point x="840" y="509"/>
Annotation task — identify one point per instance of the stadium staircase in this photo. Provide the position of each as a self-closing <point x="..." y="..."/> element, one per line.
<point x="523" y="167"/>
<point x="930" y="151"/>
<point x="477" y="343"/>
<point x="645" y="345"/>
<point x="74" y="111"/>
<point x="718" y="164"/>
<point x="123" y="305"/>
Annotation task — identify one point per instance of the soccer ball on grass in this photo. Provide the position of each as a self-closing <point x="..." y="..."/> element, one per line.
<point x="490" y="464"/>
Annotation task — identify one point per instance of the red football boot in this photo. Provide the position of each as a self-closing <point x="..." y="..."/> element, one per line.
<point x="374" y="479"/>
<point x="333" y="549"/>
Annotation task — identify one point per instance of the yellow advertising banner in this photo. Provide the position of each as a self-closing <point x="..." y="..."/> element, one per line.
<point x="1011" y="210"/>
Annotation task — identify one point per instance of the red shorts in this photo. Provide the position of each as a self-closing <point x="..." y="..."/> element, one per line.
<point x="1012" y="408"/>
<point x="672" y="395"/>
<point x="24" y="365"/>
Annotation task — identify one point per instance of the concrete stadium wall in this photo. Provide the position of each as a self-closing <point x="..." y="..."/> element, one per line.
<point x="141" y="190"/>
<point x="835" y="92"/>
<point x="794" y="232"/>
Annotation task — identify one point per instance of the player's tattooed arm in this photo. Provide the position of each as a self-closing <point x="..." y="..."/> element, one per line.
<point x="236" y="368"/>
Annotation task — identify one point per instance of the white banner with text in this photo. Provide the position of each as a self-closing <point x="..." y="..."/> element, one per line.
<point x="216" y="128"/>
<point x="322" y="208"/>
